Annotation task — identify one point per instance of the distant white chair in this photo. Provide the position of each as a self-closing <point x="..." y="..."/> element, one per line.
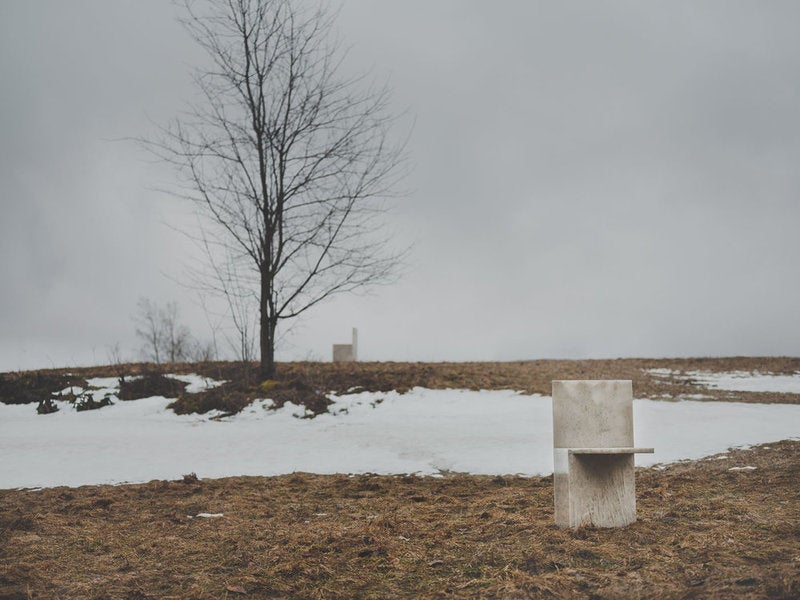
<point x="346" y="352"/>
<point x="593" y="453"/>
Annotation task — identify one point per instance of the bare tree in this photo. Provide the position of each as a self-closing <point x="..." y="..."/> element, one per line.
<point x="288" y="162"/>
<point x="148" y="329"/>
<point x="177" y="340"/>
<point x="162" y="334"/>
<point x="114" y="355"/>
<point x="203" y="351"/>
<point x="240" y="301"/>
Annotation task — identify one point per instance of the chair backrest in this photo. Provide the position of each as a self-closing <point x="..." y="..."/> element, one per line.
<point x="593" y="414"/>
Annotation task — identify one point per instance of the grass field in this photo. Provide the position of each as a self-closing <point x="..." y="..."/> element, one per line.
<point x="703" y="531"/>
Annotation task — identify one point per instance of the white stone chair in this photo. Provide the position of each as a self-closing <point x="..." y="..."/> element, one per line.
<point x="593" y="453"/>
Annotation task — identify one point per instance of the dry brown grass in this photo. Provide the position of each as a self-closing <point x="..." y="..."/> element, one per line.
<point x="703" y="531"/>
<point x="307" y="382"/>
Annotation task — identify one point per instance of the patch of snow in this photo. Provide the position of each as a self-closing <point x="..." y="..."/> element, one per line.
<point x="104" y="383"/>
<point x="739" y="381"/>
<point x="73" y="389"/>
<point x="214" y="414"/>
<point x="206" y="515"/>
<point x="428" y="432"/>
<point x="661" y="372"/>
<point x="742" y="469"/>
<point x="110" y="385"/>
<point x="197" y="383"/>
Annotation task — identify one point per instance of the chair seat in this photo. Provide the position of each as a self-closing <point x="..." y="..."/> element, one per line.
<point x="610" y="450"/>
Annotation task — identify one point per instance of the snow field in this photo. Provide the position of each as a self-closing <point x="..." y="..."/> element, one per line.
<point x="424" y="431"/>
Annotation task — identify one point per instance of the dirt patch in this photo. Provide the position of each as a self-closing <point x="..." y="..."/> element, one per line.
<point x="703" y="531"/>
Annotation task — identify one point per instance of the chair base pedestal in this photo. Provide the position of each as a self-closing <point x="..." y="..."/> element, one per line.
<point x="595" y="486"/>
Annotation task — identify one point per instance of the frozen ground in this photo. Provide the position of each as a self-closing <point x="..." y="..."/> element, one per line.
<point x="424" y="431"/>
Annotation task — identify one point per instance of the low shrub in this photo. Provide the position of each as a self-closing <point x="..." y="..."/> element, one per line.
<point x="46" y="407"/>
<point x="299" y="392"/>
<point x="150" y="384"/>
<point x="267" y="385"/>
<point x="228" y="401"/>
<point x="32" y="386"/>
<point x="86" y="401"/>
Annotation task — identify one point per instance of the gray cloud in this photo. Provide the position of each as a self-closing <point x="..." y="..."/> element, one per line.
<point x="591" y="180"/>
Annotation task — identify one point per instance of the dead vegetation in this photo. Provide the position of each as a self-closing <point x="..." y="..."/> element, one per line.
<point x="150" y="383"/>
<point x="703" y="531"/>
<point x="307" y="383"/>
<point x="34" y="386"/>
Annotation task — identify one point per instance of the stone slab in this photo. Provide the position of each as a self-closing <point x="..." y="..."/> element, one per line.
<point x="601" y="490"/>
<point x="592" y="414"/>
<point x="611" y="450"/>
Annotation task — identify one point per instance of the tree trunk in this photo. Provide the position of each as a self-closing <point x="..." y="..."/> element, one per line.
<point x="266" y="368"/>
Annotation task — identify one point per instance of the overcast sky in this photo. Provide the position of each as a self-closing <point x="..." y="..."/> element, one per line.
<point x="591" y="179"/>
